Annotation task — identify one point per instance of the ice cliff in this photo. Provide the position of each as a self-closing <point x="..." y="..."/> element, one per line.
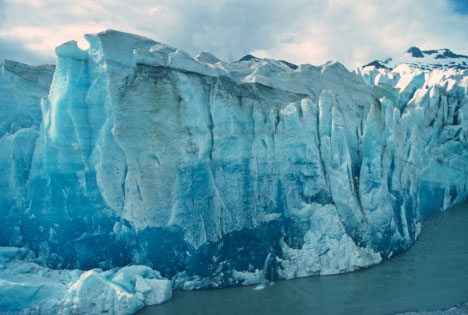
<point x="217" y="174"/>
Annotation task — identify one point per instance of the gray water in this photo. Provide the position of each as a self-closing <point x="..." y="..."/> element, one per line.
<point x="432" y="275"/>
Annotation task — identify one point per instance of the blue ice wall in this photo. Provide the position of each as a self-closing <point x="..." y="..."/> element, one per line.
<point x="220" y="173"/>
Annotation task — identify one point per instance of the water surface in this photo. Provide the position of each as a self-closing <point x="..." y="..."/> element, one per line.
<point x="431" y="275"/>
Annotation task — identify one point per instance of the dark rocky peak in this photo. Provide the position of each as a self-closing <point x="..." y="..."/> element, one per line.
<point x="249" y="58"/>
<point x="415" y="52"/>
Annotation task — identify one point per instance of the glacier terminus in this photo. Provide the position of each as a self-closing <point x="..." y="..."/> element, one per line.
<point x="132" y="169"/>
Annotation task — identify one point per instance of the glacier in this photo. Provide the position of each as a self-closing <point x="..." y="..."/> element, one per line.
<point x="214" y="174"/>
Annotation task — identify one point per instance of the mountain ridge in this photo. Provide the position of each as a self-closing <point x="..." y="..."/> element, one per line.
<point x="442" y="58"/>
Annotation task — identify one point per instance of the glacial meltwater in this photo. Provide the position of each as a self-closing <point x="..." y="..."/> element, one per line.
<point x="432" y="275"/>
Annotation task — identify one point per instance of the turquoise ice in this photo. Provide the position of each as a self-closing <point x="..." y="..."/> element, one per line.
<point x="218" y="174"/>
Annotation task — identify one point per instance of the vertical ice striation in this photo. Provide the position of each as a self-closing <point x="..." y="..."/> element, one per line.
<point x="21" y="90"/>
<point x="422" y="143"/>
<point x="220" y="173"/>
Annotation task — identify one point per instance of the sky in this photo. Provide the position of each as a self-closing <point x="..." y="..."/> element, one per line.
<point x="353" y="32"/>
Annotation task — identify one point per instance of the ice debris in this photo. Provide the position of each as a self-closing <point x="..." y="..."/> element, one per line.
<point x="27" y="287"/>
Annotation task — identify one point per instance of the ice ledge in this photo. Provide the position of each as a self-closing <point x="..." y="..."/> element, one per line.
<point x="70" y="49"/>
<point x="117" y="48"/>
<point x="40" y="75"/>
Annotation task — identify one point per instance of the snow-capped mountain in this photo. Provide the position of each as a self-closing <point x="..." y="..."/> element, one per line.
<point x="215" y="173"/>
<point x="425" y="60"/>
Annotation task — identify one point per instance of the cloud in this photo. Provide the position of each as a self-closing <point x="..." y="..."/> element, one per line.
<point x="351" y="31"/>
<point x="15" y="50"/>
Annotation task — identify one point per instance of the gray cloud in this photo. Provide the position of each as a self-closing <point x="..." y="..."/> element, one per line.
<point x="351" y="31"/>
<point x="15" y="50"/>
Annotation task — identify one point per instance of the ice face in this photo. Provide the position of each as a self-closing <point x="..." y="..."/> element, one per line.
<point x="218" y="174"/>
<point x="21" y="90"/>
